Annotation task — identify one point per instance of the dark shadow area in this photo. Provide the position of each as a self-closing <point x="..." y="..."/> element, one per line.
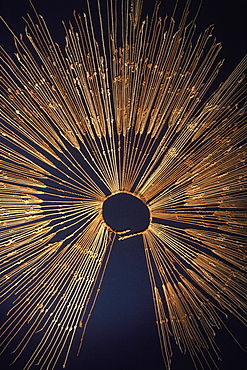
<point x="124" y="211"/>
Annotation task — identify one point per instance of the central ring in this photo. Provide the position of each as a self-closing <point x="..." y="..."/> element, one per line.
<point x="126" y="214"/>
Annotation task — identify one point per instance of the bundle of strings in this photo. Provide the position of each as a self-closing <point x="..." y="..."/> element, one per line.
<point x="120" y="110"/>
